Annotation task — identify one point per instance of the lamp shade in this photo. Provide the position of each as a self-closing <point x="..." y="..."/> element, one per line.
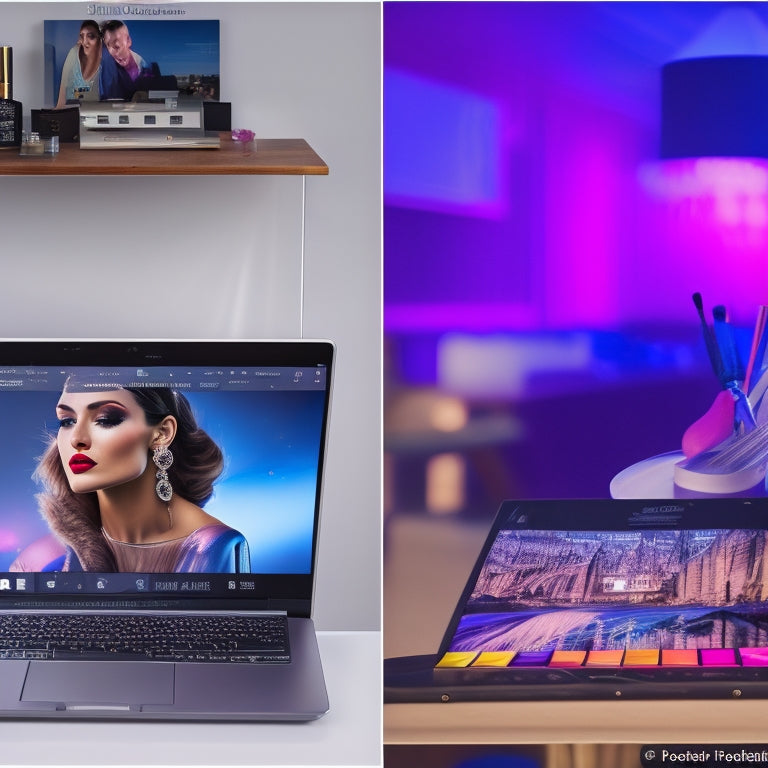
<point x="715" y="107"/>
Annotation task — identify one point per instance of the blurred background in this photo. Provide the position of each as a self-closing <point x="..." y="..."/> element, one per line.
<point x="540" y="254"/>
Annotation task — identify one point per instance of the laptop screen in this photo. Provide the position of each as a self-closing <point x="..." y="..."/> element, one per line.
<point x="653" y="581"/>
<point x="175" y="468"/>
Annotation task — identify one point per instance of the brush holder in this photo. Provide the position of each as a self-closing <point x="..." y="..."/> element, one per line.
<point x="717" y="483"/>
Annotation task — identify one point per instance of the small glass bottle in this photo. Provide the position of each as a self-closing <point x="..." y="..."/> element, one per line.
<point x="31" y="144"/>
<point x="10" y="110"/>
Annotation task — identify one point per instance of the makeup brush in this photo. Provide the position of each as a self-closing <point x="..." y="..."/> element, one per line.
<point x="757" y="352"/>
<point x="717" y="424"/>
<point x="732" y="367"/>
<point x="731" y="407"/>
<point x="756" y="376"/>
<point x="732" y="371"/>
<point x="757" y="397"/>
<point x="709" y="337"/>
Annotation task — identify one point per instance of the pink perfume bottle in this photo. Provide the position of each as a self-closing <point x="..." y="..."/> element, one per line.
<point x="10" y="110"/>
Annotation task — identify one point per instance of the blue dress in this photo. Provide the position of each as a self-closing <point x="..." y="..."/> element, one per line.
<point x="215" y="548"/>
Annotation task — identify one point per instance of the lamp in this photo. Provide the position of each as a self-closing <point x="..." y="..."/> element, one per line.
<point x="715" y="106"/>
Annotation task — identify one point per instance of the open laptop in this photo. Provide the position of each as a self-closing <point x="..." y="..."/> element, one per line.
<point x="212" y="623"/>
<point x="606" y="599"/>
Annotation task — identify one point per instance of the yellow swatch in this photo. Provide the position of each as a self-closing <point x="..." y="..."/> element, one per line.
<point x="457" y="659"/>
<point x="494" y="659"/>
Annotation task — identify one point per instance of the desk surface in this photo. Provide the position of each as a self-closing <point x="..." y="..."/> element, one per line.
<point x="262" y="157"/>
<point x="582" y="722"/>
<point x="426" y="565"/>
<point x="350" y="734"/>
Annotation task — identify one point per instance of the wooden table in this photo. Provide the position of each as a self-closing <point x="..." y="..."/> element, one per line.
<point x="293" y="157"/>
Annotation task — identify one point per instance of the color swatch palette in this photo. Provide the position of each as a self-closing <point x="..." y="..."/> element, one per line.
<point x="603" y="598"/>
<point x="637" y="658"/>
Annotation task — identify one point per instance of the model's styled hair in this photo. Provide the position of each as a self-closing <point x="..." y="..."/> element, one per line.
<point x="197" y="460"/>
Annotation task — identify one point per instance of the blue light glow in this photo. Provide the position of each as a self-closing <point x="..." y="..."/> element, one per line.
<point x="444" y="148"/>
<point x="735" y="32"/>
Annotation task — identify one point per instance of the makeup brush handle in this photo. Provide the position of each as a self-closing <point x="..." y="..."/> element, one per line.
<point x="709" y="339"/>
<point x="756" y="394"/>
<point x="757" y="351"/>
<point x="732" y="370"/>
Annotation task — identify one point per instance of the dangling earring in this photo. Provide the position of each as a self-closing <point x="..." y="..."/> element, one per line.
<point x="163" y="459"/>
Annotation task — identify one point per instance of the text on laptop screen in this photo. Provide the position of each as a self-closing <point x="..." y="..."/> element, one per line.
<point x="245" y="452"/>
<point x="545" y="591"/>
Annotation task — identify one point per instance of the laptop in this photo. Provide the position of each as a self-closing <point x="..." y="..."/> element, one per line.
<point x="159" y="527"/>
<point x="606" y="599"/>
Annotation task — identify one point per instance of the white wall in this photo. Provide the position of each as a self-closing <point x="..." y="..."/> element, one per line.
<point x="219" y="257"/>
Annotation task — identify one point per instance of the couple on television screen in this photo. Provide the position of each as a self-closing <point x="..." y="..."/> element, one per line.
<point x="103" y="64"/>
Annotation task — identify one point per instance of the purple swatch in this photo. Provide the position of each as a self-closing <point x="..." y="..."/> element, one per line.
<point x="532" y="659"/>
<point x="718" y="657"/>
<point x="754" y="657"/>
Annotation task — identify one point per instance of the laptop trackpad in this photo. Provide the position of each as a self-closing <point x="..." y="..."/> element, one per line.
<point x="116" y="683"/>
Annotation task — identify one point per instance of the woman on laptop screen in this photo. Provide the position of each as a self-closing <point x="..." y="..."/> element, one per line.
<point x="125" y="480"/>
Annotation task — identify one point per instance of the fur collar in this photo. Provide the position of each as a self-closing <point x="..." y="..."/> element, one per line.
<point x="79" y="532"/>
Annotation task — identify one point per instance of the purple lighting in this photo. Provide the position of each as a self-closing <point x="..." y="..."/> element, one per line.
<point x="9" y="541"/>
<point x="577" y="226"/>
<point x="734" y="190"/>
<point x="710" y="220"/>
<point x="559" y="291"/>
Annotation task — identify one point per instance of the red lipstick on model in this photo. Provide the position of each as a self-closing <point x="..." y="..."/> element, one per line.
<point x="80" y="463"/>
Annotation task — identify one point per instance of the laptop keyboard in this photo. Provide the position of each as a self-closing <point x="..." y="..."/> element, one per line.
<point x="161" y="637"/>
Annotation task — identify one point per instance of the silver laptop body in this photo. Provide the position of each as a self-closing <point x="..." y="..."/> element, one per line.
<point x="250" y="564"/>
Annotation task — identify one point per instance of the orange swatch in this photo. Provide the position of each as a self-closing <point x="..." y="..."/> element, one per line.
<point x="671" y="657"/>
<point x="641" y="657"/>
<point x="567" y="658"/>
<point x="604" y="658"/>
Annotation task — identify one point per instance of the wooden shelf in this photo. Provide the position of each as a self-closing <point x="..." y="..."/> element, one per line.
<point x="262" y="157"/>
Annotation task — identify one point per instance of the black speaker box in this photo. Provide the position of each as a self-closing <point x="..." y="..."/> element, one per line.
<point x="64" y="123"/>
<point x="217" y="115"/>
